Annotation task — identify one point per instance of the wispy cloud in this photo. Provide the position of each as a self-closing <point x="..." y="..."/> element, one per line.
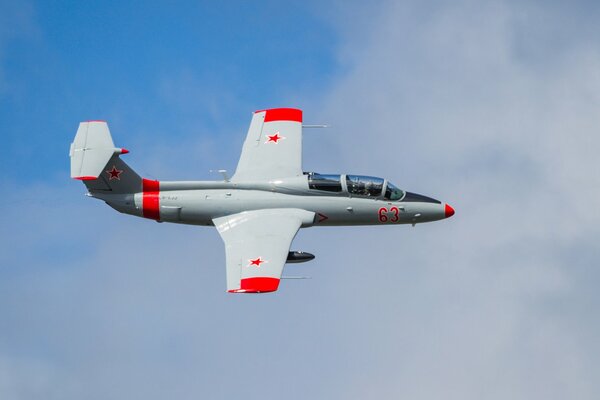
<point x="446" y="100"/>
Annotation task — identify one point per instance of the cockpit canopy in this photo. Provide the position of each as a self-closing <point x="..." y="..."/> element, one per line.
<point x="364" y="185"/>
<point x="355" y="185"/>
<point x="393" y="193"/>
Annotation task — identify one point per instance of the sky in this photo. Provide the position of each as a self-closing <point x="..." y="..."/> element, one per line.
<point x="490" y="106"/>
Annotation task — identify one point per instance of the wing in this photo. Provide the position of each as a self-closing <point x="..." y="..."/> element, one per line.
<point x="273" y="146"/>
<point x="257" y="245"/>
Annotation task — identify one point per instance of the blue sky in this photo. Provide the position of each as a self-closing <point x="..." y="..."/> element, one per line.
<point x="491" y="107"/>
<point x="71" y="61"/>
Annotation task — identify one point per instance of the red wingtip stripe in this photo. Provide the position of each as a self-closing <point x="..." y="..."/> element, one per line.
<point x="150" y="199"/>
<point x="124" y="151"/>
<point x="257" y="285"/>
<point x="282" y="114"/>
<point x="85" y="178"/>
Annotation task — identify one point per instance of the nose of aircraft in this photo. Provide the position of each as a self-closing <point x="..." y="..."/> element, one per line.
<point x="448" y="210"/>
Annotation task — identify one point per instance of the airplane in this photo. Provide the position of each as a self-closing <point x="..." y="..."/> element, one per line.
<point x="259" y="210"/>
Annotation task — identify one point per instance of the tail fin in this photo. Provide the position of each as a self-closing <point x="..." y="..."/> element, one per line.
<point x="95" y="161"/>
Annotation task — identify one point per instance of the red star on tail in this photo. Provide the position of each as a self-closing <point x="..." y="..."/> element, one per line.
<point x="114" y="173"/>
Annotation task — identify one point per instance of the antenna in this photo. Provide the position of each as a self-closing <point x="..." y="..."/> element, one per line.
<point x="222" y="172"/>
<point x="296" y="277"/>
<point x="317" y="126"/>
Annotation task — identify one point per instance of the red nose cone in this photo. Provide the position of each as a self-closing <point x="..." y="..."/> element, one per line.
<point x="449" y="211"/>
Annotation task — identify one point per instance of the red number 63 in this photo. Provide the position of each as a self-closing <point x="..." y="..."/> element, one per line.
<point x="383" y="215"/>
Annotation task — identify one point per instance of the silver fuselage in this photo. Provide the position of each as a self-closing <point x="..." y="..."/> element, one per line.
<point x="199" y="202"/>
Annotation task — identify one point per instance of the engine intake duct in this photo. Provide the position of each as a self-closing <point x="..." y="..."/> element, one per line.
<point x="295" y="257"/>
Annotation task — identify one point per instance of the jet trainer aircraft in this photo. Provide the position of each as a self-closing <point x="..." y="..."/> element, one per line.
<point x="257" y="212"/>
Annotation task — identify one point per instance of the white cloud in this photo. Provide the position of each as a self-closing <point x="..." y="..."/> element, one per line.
<point x="444" y="100"/>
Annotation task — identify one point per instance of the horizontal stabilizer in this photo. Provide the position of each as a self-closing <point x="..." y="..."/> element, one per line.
<point x="90" y="151"/>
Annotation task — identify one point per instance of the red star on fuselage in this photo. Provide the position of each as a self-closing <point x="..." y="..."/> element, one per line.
<point x="114" y="173"/>
<point x="256" y="262"/>
<point x="274" y="138"/>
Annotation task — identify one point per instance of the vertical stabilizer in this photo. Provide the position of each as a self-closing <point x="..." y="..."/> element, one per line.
<point x="95" y="161"/>
<point x="91" y="149"/>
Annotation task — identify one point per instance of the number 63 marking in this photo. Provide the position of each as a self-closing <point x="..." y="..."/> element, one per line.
<point x="383" y="215"/>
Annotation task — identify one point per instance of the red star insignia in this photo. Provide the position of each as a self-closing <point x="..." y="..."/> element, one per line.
<point x="256" y="262"/>
<point x="114" y="173"/>
<point x="274" y="138"/>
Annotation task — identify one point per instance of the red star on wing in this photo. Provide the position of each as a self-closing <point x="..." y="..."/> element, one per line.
<point x="256" y="262"/>
<point x="114" y="173"/>
<point x="274" y="138"/>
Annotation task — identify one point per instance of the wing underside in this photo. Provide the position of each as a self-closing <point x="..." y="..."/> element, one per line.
<point x="256" y="246"/>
